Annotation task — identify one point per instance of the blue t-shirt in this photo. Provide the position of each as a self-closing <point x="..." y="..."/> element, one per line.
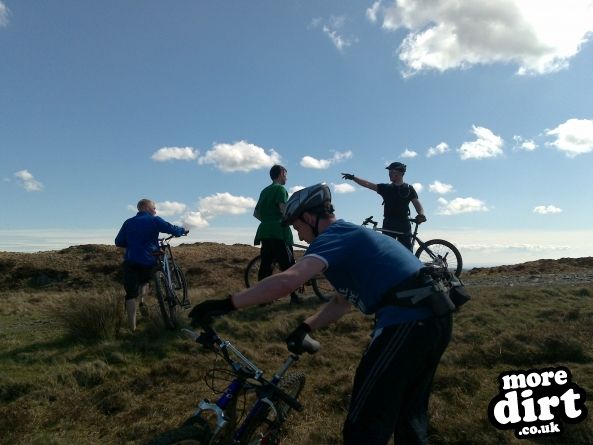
<point x="363" y="265"/>
<point x="139" y="235"/>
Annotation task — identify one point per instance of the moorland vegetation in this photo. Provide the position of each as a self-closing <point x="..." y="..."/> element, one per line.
<point x="71" y="373"/>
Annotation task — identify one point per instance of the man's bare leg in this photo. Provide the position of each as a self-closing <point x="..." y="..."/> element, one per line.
<point x="131" y="311"/>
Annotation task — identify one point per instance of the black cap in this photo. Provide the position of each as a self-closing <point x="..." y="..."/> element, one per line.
<point x="397" y="166"/>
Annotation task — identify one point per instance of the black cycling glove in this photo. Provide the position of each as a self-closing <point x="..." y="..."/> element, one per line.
<point x="349" y="176"/>
<point x="210" y="308"/>
<point x="295" y="340"/>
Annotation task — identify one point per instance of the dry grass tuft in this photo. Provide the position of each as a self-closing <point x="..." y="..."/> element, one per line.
<point x="91" y="318"/>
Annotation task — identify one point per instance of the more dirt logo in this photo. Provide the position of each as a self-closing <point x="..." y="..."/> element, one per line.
<point x="536" y="402"/>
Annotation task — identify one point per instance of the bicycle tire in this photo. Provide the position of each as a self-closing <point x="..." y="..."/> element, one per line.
<point x="322" y="287"/>
<point x="433" y="251"/>
<point x="266" y="427"/>
<point x="167" y="303"/>
<point x="180" y="284"/>
<point x="292" y="385"/>
<point x="251" y="271"/>
<point x="196" y="434"/>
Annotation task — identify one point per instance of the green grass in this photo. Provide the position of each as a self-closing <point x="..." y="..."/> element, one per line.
<point x="70" y="373"/>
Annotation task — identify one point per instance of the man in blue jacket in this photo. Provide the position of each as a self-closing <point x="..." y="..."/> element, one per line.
<point x="139" y="236"/>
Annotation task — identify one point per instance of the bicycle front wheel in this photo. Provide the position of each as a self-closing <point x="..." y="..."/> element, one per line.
<point x="441" y="253"/>
<point x="251" y="271"/>
<point x="180" y="286"/>
<point x="322" y="287"/>
<point x="266" y="426"/>
<point x="194" y="434"/>
<point x="251" y="274"/>
<point x="166" y="299"/>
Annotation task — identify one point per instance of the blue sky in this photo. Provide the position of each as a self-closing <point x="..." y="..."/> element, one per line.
<point x="190" y="102"/>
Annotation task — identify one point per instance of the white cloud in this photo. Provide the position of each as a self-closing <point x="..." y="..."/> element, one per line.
<point x="524" y="144"/>
<point x="440" y="149"/>
<point x="332" y="28"/>
<point x="409" y="154"/>
<point x="486" y="145"/>
<point x="216" y="205"/>
<point x="518" y="247"/>
<point x="545" y="210"/>
<point x="538" y="36"/>
<point x="225" y="204"/>
<point x="343" y="188"/>
<point x="175" y="153"/>
<point x="372" y="13"/>
<point x="295" y="188"/>
<point x="418" y="187"/>
<point x="574" y="137"/>
<point x="323" y="164"/>
<point x="311" y="162"/>
<point x="168" y="208"/>
<point x="194" y="220"/>
<point x="4" y="13"/>
<point x="460" y="205"/>
<point x="240" y="156"/>
<point x="440" y="188"/>
<point x="28" y="182"/>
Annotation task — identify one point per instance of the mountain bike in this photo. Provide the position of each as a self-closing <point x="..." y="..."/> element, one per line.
<point x="228" y="420"/>
<point x="435" y="252"/>
<point x="321" y="286"/>
<point x="170" y="285"/>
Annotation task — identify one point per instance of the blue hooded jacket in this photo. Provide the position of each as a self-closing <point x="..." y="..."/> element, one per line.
<point x="139" y="235"/>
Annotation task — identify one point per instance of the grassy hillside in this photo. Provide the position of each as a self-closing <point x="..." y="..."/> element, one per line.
<point x="70" y="373"/>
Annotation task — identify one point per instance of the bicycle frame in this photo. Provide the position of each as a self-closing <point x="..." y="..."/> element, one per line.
<point x="415" y="238"/>
<point x="245" y="370"/>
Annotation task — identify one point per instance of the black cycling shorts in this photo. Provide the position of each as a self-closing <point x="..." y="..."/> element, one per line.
<point x="135" y="275"/>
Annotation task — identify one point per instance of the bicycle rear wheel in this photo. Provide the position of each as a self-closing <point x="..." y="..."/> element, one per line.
<point x="441" y="253"/>
<point x="167" y="300"/>
<point x="266" y="426"/>
<point x="322" y="287"/>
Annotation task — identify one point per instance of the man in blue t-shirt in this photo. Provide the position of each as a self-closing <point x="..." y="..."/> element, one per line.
<point x="139" y="236"/>
<point x="373" y="273"/>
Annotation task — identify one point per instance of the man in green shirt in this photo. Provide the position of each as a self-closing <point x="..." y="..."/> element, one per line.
<point x="276" y="239"/>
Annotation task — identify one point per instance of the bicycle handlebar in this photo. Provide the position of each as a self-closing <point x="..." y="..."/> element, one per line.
<point x="370" y="220"/>
<point x="210" y="339"/>
<point x="310" y="345"/>
<point x="163" y="240"/>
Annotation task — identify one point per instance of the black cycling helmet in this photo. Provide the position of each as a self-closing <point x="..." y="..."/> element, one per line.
<point x="397" y="166"/>
<point x="312" y="199"/>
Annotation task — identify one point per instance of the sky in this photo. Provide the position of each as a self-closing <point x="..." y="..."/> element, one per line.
<point x="190" y="103"/>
